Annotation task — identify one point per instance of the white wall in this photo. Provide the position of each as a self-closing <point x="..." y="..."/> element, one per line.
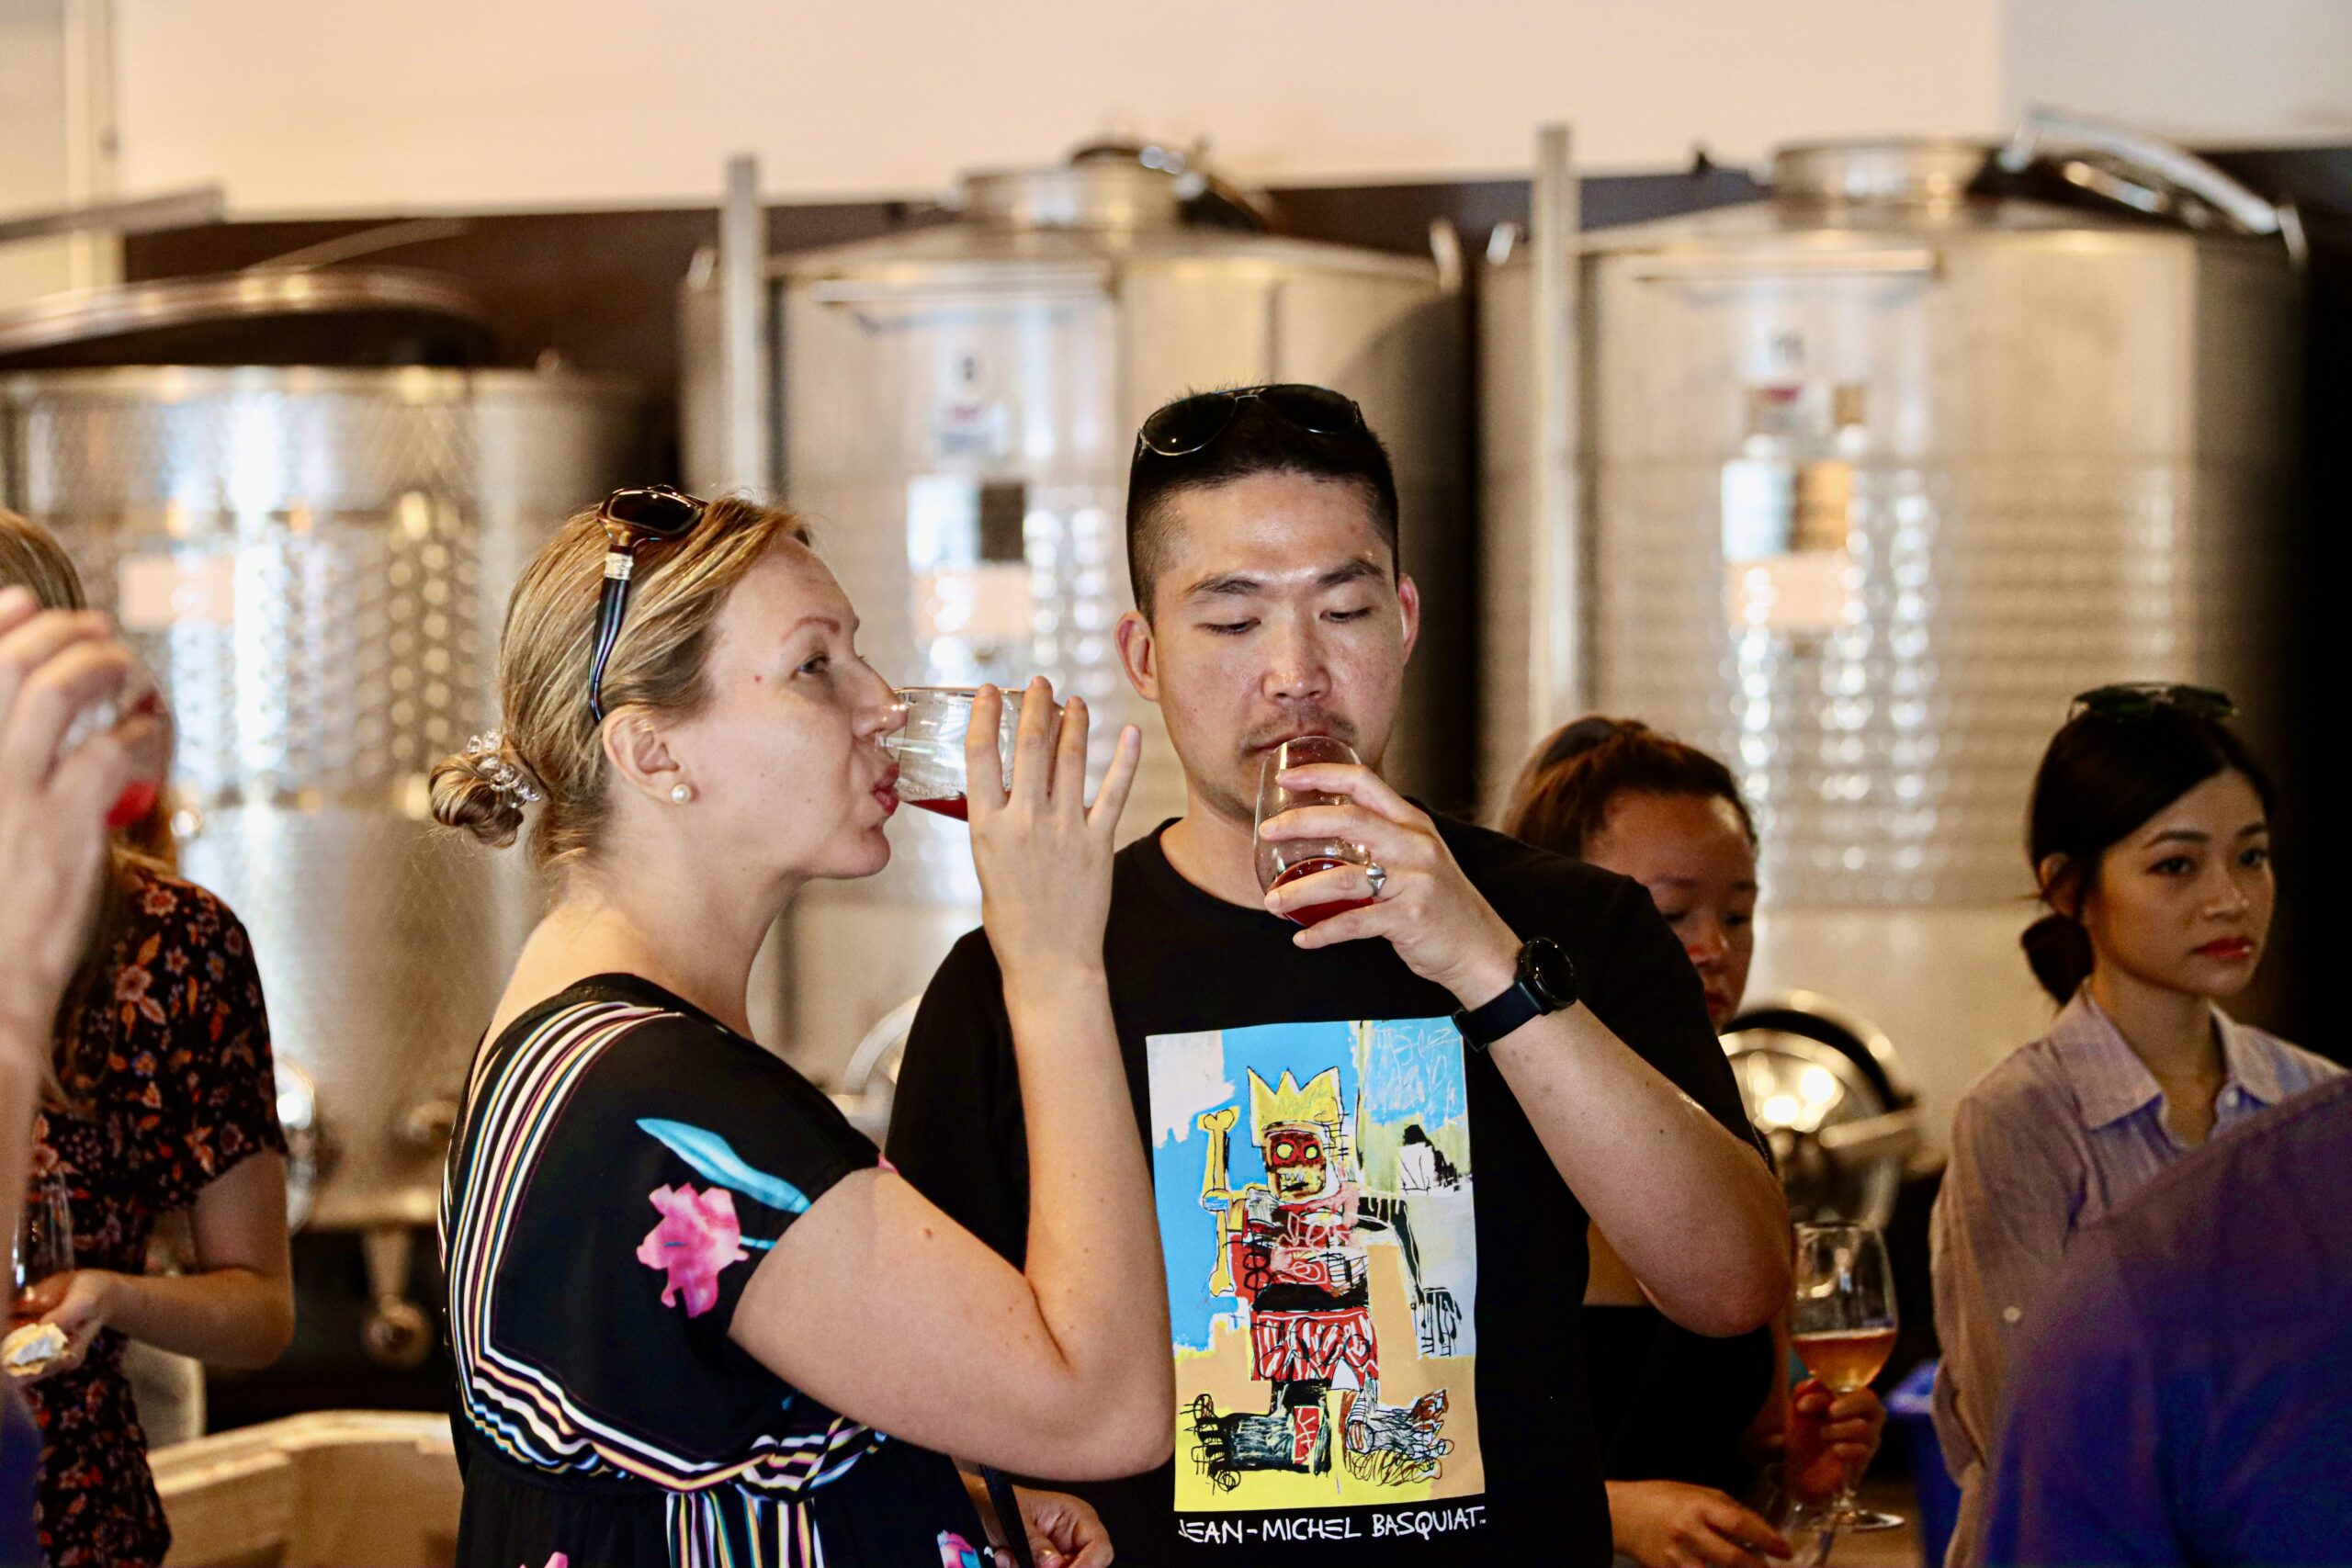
<point x="32" y="138"/>
<point x="2208" y="72"/>
<point x="56" y="138"/>
<point x="332" y="106"/>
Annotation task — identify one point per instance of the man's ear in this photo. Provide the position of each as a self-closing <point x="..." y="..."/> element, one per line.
<point x="1139" y="655"/>
<point x="1409" y="600"/>
<point x="640" y="754"/>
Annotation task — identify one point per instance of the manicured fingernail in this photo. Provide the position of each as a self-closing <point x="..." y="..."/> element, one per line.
<point x="132" y="805"/>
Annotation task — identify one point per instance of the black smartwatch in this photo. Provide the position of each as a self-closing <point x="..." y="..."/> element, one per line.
<point x="1546" y="983"/>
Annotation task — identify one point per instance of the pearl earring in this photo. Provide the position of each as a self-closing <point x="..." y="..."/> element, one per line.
<point x="681" y="792"/>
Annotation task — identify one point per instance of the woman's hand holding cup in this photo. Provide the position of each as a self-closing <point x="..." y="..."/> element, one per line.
<point x="1043" y="854"/>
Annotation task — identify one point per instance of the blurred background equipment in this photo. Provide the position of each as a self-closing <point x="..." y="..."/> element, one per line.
<point x="956" y="409"/>
<point x="1855" y="486"/>
<point x="1828" y="1093"/>
<point x="313" y="550"/>
<point x="337" y="1489"/>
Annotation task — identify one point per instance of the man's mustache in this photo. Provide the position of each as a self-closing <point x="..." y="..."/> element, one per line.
<point x="1313" y="723"/>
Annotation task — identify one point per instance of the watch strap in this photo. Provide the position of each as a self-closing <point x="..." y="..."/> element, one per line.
<point x="1482" y="1026"/>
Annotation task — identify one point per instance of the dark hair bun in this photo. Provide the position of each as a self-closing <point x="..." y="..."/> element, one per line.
<point x="2059" y="951"/>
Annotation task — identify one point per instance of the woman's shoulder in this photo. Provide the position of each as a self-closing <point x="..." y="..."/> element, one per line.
<point x="2294" y="1069"/>
<point x="161" y="904"/>
<point x="651" y="1045"/>
<point x="2027" y="1097"/>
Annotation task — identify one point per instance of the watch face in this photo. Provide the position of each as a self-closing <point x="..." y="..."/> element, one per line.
<point x="1545" y="970"/>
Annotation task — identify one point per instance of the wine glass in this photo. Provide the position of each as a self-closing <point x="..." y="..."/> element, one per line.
<point x="44" y="1242"/>
<point x="140" y="698"/>
<point x="1841" y="1324"/>
<point x="1810" y="1532"/>
<point x="1287" y="860"/>
<point x="929" y="748"/>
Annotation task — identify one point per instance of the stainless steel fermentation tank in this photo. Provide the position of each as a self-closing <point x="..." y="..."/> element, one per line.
<point x="1854" y="487"/>
<point x="316" y="563"/>
<point x="959" y="403"/>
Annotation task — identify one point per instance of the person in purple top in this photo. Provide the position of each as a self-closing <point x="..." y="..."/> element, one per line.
<point x="2189" y="1399"/>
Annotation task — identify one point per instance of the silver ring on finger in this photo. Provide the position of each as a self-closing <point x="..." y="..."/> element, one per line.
<point x="1379" y="877"/>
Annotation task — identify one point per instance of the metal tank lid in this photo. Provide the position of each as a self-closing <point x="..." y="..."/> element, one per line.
<point x="1111" y="203"/>
<point x="1092" y="194"/>
<point x="1901" y="171"/>
<point x="343" y="316"/>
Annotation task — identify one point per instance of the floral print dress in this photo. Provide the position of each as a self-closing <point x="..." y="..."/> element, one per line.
<point x="177" y="1087"/>
<point x="623" y="1163"/>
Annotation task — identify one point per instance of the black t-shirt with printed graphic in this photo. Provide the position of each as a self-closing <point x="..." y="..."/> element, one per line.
<point x="1374" y="1270"/>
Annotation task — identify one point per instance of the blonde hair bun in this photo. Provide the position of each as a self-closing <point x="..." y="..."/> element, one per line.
<point x="483" y="790"/>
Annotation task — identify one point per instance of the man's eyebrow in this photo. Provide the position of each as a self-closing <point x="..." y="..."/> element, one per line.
<point x="1354" y="571"/>
<point x="1241" y="585"/>
<point x="1232" y="584"/>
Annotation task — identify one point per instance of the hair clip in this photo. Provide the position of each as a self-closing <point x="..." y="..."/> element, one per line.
<point x="488" y="755"/>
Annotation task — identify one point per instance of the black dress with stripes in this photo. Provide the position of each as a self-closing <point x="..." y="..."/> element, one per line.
<point x="623" y="1165"/>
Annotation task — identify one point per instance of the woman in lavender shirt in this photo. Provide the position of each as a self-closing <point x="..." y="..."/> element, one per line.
<point x="2150" y="838"/>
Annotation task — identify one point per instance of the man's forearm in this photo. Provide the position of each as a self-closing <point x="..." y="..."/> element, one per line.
<point x="1692" y="1210"/>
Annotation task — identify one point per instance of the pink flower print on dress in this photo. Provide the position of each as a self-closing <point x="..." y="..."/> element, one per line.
<point x="555" y="1560"/>
<point x="699" y="1237"/>
<point x="955" y="1552"/>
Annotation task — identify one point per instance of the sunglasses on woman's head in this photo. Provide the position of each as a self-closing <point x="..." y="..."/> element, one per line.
<point x="642" y="515"/>
<point x="1190" y="425"/>
<point x="2141" y="699"/>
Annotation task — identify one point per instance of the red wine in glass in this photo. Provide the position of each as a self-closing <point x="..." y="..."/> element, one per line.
<point x="1315" y="913"/>
<point x="928" y="746"/>
<point x="1287" y="860"/>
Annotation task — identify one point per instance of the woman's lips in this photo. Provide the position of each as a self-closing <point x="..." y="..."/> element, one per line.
<point x="2227" y="947"/>
<point x="886" y="792"/>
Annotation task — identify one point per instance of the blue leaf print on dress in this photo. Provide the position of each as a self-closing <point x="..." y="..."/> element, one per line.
<point x="716" y="1161"/>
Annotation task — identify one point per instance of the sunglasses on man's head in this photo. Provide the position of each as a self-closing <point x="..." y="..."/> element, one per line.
<point x="1190" y="425"/>
<point x="2141" y="699"/>
<point x="631" y="518"/>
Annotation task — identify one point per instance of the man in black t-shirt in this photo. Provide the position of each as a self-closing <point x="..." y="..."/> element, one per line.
<point x="1375" y="1139"/>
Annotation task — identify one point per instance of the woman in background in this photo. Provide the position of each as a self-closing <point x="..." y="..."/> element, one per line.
<point x="157" y="1095"/>
<point x="1686" y="1422"/>
<point x="2149" y="836"/>
<point x="55" y="665"/>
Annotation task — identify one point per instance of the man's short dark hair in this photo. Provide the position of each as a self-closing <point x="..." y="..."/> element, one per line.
<point x="1258" y="441"/>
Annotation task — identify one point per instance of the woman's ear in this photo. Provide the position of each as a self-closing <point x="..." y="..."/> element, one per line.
<point x="639" y="753"/>
<point x="2061" y="888"/>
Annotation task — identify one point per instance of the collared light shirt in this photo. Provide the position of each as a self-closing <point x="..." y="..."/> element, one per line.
<point x="2052" y="1139"/>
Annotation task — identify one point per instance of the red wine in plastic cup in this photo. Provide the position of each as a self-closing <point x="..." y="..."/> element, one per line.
<point x="954" y="806"/>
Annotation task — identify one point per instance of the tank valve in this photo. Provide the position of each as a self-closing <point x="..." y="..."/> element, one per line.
<point x="427" y="1125"/>
<point x="396" y="1335"/>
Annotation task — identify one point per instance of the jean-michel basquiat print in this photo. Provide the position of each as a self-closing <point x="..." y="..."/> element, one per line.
<point x="1314" y="1191"/>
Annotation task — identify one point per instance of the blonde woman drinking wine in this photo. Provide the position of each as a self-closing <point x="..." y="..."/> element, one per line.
<point x="696" y="1320"/>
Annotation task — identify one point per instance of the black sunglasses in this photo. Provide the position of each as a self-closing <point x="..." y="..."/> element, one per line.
<point x="646" y="514"/>
<point x="2140" y="699"/>
<point x="1188" y="425"/>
